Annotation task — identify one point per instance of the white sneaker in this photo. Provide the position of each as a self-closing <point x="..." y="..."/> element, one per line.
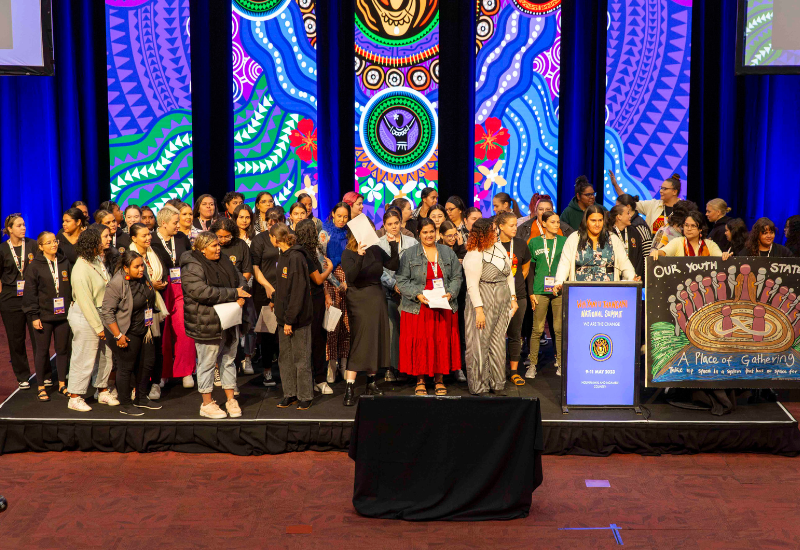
<point x="389" y="376"/>
<point x="162" y="383"/>
<point x="232" y="406"/>
<point x="105" y="398"/>
<point x="155" y="392"/>
<point x="531" y="372"/>
<point x="78" y="404"/>
<point x="331" y="372"/>
<point x="188" y="381"/>
<point x="212" y="410"/>
<point x="217" y="379"/>
<point x="558" y="369"/>
<point x="247" y="366"/>
<point x="324" y="388"/>
<point x="114" y="393"/>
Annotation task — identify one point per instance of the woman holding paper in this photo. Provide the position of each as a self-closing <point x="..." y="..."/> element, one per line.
<point x="334" y="241"/>
<point x="209" y="278"/>
<point x="491" y="303"/>
<point x="429" y="279"/>
<point x="369" y="318"/>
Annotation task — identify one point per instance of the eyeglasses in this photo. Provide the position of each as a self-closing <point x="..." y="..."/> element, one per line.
<point x="587" y="195"/>
<point x="448" y="210"/>
<point x="449" y="237"/>
<point x="50" y="243"/>
<point x="689" y="226"/>
<point x="667" y="188"/>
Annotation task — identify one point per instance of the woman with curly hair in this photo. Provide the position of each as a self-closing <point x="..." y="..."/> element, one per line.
<point x="761" y="241"/>
<point x="792" y="233"/>
<point x="319" y="268"/>
<point x="736" y="233"/>
<point x="491" y="302"/>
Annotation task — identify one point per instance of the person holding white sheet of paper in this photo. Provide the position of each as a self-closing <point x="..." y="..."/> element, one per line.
<point x="429" y="338"/>
<point x="366" y="306"/>
<point x="209" y="278"/>
<point x="294" y="311"/>
<point x="333" y="239"/>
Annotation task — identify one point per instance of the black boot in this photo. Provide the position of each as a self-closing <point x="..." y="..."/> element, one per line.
<point x="372" y="387"/>
<point x="350" y="395"/>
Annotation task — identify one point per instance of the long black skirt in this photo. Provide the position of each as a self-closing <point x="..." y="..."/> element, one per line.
<point x="370" y="339"/>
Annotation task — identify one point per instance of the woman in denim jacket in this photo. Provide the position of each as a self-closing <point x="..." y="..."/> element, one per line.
<point x="429" y="338"/>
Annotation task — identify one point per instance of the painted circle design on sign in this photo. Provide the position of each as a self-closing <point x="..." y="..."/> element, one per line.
<point x="399" y="130"/>
<point x="260" y="10"/>
<point x="600" y="347"/>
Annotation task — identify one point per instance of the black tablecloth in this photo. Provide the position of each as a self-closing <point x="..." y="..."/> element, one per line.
<point x="464" y="459"/>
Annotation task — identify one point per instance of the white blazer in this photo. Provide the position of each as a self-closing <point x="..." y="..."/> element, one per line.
<point x="623" y="269"/>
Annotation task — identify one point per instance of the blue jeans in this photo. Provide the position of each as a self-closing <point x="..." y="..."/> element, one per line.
<point x="211" y="352"/>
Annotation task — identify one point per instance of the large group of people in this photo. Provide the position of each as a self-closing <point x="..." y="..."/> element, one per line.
<point x="129" y="301"/>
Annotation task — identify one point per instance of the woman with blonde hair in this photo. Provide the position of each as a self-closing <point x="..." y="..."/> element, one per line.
<point x="717" y="214"/>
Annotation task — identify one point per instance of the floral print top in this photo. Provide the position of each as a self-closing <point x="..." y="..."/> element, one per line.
<point x="595" y="265"/>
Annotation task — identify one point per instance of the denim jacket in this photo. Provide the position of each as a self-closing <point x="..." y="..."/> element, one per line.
<point x="412" y="275"/>
<point x="387" y="279"/>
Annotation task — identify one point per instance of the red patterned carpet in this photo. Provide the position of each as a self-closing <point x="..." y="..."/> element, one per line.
<point x="175" y="501"/>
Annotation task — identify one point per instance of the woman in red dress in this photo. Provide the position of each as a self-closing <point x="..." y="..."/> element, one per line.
<point x="429" y="278"/>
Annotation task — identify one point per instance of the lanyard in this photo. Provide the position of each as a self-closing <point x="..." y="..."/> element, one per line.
<point x="435" y="265"/>
<point x="103" y="274"/>
<point x="19" y="262"/>
<point x="541" y="231"/>
<point x="114" y="239"/>
<point x="170" y="249"/>
<point x="769" y="252"/>
<point x="623" y="239"/>
<point x="549" y="257"/>
<point x="147" y="263"/>
<point x="54" y="273"/>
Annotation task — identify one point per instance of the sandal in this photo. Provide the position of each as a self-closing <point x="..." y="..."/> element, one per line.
<point x="420" y="389"/>
<point x="441" y="389"/>
<point x="517" y="379"/>
<point x="63" y="391"/>
<point x="42" y="396"/>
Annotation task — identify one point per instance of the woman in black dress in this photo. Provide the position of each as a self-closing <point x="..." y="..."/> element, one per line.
<point x="73" y="223"/>
<point x="369" y="316"/>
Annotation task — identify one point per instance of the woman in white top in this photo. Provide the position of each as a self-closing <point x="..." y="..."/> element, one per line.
<point x="593" y="254"/>
<point x="692" y="243"/>
<point x="490" y="305"/>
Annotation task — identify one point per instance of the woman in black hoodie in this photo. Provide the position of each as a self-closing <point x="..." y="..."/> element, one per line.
<point x="46" y="302"/>
<point x="294" y="310"/>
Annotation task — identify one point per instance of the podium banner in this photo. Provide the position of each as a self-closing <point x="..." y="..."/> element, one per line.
<point x="601" y="345"/>
<point x="715" y="324"/>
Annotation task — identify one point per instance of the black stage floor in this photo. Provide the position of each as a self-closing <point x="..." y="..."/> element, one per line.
<point x="28" y="425"/>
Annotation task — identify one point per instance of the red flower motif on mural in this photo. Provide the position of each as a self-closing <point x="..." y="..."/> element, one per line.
<point x="304" y="140"/>
<point x="489" y="142"/>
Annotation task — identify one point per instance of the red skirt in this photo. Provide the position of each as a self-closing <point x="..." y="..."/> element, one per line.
<point x="429" y="340"/>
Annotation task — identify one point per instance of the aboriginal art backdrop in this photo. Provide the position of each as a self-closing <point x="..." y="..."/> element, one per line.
<point x="275" y="98"/>
<point x="149" y="101"/>
<point x="518" y="71"/>
<point x="716" y="324"/>
<point x="647" y="95"/>
<point x="396" y="96"/>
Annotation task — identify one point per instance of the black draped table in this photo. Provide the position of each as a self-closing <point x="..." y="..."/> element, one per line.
<point x="446" y="458"/>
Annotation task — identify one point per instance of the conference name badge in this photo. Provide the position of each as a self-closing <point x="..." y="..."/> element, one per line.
<point x="175" y="275"/>
<point x="58" y="306"/>
<point x="20" y="288"/>
<point x="549" y="283"/>
<point x="438" y="284"/>
<point x="148" y="317"/>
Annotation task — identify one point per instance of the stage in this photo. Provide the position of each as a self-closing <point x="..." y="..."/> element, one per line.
<point x="28" y="425"/>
